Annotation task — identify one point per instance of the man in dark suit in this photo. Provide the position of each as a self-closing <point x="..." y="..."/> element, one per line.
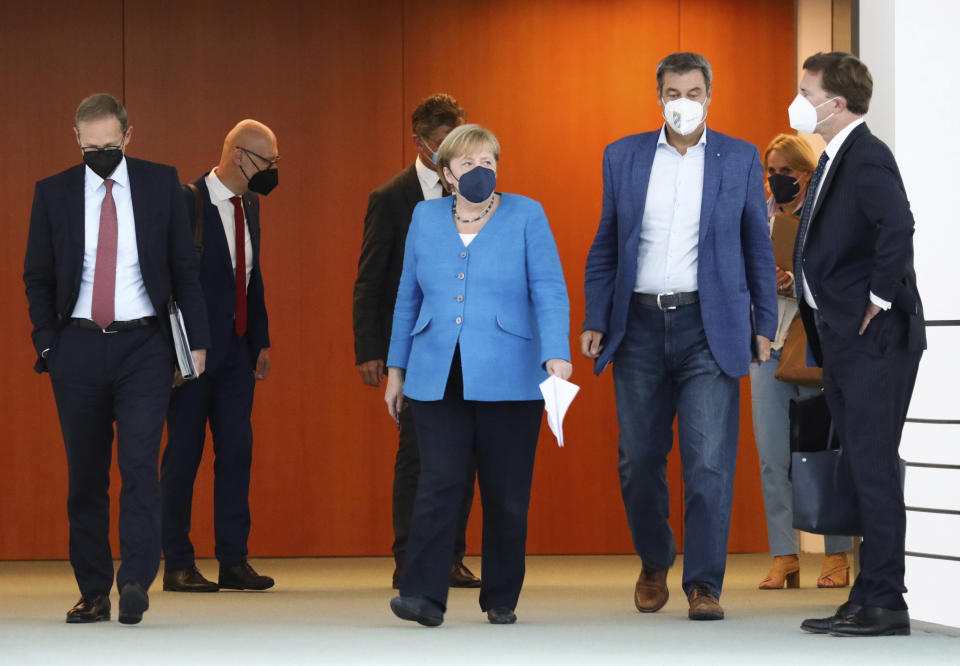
<point x="225" y="211"/>
<point x="375" y="292"/>
<point x="858" y="297"/>
<point x="680" y="266"/>
<point x="108" y="246"/>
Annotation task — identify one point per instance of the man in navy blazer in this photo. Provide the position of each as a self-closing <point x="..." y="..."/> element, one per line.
<point x="858" y="297"/>
<point x="108" y="246"/>
<point x="225" y="210"/>
<point x="680" y="285"/>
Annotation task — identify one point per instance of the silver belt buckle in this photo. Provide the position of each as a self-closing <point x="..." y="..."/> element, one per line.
<point x="659" y="305"/>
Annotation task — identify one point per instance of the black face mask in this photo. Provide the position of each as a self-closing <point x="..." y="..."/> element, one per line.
<point x="784" y="188"/>
<point x="263" y="181"/>
<point x="103" y="162"/>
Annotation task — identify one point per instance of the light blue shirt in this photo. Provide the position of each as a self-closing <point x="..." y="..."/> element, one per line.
<point x="130" y="295"/>
<point x="670" y="229"/>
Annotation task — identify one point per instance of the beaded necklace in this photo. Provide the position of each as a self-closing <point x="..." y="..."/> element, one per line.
<point x="479" y="217"/>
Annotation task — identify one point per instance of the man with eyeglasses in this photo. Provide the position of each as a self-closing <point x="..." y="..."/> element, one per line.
<point x="224" y="208"/>
<point x="108" y="246"/>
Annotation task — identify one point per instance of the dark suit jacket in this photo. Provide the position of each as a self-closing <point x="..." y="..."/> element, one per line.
<point x="381" y="262"/>
<point x="861" y="240"/>
<point x="54" y="260"/>
<point x="736" y="274"/>
<point x="219" y="282"/>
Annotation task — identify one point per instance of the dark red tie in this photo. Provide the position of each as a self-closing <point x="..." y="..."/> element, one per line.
<point x="241" y="271"/>
<point x="105" y="272"/>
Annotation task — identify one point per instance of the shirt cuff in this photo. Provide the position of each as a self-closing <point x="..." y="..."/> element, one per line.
<point x="879" y="302"/>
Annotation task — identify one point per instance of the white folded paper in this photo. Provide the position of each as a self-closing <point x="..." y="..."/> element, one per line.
<point x="557" y="396"/>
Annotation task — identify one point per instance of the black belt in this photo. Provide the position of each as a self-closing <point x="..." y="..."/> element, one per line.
<point x="668" y="301"/>
<point x="115" y="327"/>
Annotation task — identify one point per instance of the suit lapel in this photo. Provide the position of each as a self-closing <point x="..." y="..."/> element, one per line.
<point x="214" y="235"/>
<point x="252" y="211"/>
<point x="411" y="186"/>
<point x="141" y="209"/>
<point x="74" y="208"/>
<point x="712" y="174"/>
<point x="640" y="179"/>
<point x="834" y="165"/>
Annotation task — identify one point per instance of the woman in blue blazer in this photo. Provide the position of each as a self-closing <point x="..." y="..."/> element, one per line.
<point x="482" y="317"/>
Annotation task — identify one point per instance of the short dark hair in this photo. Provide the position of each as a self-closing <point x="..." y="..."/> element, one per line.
<point x="436" y="111"/>
<point x="102" y="105"/>
<point x="681" y="63"/>
<point x="844" y="75"/>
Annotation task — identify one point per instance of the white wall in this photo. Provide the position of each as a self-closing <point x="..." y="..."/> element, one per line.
<point x="910" y="47"/>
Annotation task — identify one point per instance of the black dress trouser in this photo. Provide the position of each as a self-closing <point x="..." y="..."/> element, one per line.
<point x="502" y="438"/>
<point x="868" y="381"/>
<point x="99" y="379"/>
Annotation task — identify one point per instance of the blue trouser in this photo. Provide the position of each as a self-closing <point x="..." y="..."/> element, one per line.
<point x="502" y="438"/>
<point x="664" y="368"/>
<point x="770" y="399"/>
<point x="224" y="395"/>
<point x="99" y="379"/>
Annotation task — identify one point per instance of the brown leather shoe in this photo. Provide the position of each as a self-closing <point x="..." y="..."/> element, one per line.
<point x="90" y="609"/>
<point x="704" y="605"/>
<point x="461" y="576"/>
<point x="187" y="580"/>
<point x="243" y="577"/>
<point x="651" y="592"/>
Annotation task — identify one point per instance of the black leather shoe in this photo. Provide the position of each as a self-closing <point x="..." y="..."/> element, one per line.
<point x="187" y="580"/>
<point x="419" y="610"/>
<point x="90" y="609"/>
<point x="873" y="621"/>
<point x="822" y="625"/>
<point x="133" y="603"/>
<point x="501" y="616"/>
<point x="243" y="577"/>
<point x="397" y="572"/>
<point x="461" y="576"/>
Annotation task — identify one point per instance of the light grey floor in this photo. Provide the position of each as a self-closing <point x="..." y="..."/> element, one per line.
<point x="574" y="610"/>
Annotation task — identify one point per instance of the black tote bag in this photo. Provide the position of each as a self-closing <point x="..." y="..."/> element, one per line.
<point x="824" y="498"/>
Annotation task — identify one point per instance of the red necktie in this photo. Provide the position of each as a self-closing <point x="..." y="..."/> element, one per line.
<point x="241" y="272"/>
<point x="105" y="272"/>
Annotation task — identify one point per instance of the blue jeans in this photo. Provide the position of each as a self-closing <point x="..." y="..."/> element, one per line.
<point x="664" y="368"/>
<point x="771" y="428"/>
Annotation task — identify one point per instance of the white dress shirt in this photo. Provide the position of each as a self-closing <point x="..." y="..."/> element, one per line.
<point x="130" y="299"/>
<point x="429" y="181"/>
<point x="831" y="150"/>
<point x="670" y="229"/>
<point x="220" y="197"/>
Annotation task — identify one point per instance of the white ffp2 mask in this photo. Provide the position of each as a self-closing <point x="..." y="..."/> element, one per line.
<point x="683" y="115"/>
<point x="803" y="114"/>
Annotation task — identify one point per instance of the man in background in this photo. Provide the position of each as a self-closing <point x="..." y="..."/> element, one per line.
<point x="381" y="261"/>
<point x="224" y="206"/>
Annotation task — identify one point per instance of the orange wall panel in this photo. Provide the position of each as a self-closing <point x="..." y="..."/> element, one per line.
<point x="337" y="82"/>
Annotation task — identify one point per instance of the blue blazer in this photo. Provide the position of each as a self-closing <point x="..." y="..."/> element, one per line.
<point x="736" y="273"/>
<point x="503" y="299"/>
<point x="219" y="282"/>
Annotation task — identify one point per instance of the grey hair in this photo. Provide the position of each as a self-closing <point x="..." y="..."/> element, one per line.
<point x="102" y="105"/>
<point x="681" y="63"/>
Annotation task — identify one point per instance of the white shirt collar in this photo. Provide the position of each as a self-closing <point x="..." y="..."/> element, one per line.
<point x="119" y="176"/>
<point x="834" y="146"/>
<point x="663" y="137"/>
<point x="428" y="177"/>
<point x="218" y="191"/>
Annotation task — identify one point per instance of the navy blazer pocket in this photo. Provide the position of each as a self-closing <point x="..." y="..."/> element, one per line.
<point x="514" y="327"/>
<point x="422" y="321"/>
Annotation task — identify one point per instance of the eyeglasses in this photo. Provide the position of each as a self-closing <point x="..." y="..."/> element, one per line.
<point x="271" y="162"/>
<point x="100" y="149"/>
